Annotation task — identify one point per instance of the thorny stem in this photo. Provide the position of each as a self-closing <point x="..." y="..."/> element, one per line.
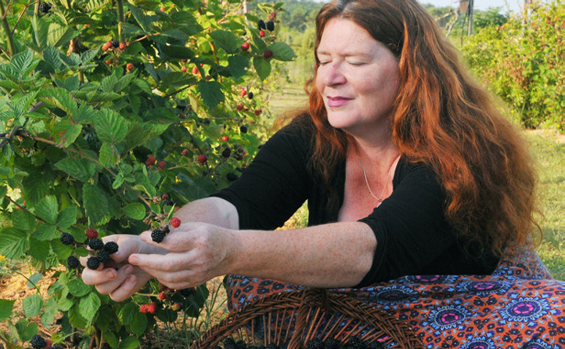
<point x="6" y="28"/>
<point x="121" y="20"/>
<point x="24" y="209"/>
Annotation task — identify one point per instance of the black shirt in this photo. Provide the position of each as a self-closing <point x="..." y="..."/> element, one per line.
<point x="413" y="235"/>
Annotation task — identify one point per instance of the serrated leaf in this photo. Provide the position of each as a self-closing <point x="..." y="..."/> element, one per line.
<point x="51" y="57"/>
<point x="67" y="217"/>
<point x="89" y="305"/>
<point x="80" y="169"/>
<point x="89" y="55"/>
<point x="78" y="288"/>
<point x="6" y="307"/>
<point x="140" y="17"/>
<point x="49" y="311"/>
<point x="112" y="339"/>
<point x="95" y="204"/>
<point x="211" y="92"/>
<point x="25" y="330"/>
<point x="86" y="114"/>
<point x="71" y="61"/>
<point x="238" y="65"/>
<point x="13" y="243"/>
<point x="109" y="155"/>
<point x="168" y="52"/>
<point x="60" y="35"/>
<point x="34" y="279"/>
<point x="23" y="220"/>
<point x="124" y="82"/>
<point x="76" y="319"/>
<point x="65" y="133"/>
<point x="225" y="40"/>
<point x="107" y="84"/>
<point x="21" y="61"/>
<point x="65" y="304"/>
<point x="32" y="305"/>
<point x="129" y="343"/>
<point x="135" y="211"/>
<point x="38" y="250"/>
<point x="48" y="209"/>
<point x="282" y="52"/>
<point x="138" y="325"/>
<point x="262" y="66"/>
<point x="111" y="127"/>
<point x="45" y="232"/>
<point x="127" y="313"/>
<point x="40" y="31"/>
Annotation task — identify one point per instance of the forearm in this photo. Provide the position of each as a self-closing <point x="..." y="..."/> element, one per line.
<point x="210" y="210"/>
<point x="330" y="255"/>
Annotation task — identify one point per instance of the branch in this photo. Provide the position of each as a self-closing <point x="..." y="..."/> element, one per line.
<point x="19" y="18"/>
<point x="6" y="27"/>
<point x="24" y="209"/>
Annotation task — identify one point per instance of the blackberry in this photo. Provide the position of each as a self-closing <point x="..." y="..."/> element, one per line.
<point x="331" y="343"/>
<point x="111" y="247"/>
<point x="261" y="24"/>
<point x="45" y="7"/>
<point x="166" y="230"/>
<point x="93" y="263"/>
<point x="229" y="343"/>
<point x="243" y="129"/>
<point x="169" y="203"/>
<point x="96" y="244"/>
<point x="226" y="152"/>
<point x="270" y="26"/>
<point x="67" y="239"/>
<point x="72" y="262"/>
<point x="115" y="43"/>
<point x="185" y="292"/>
<point x="250" y="95"/>
<point x="157" y="235"/>
<point x="103" y="256"/>
<point x="315" y="344"/>
<point x="232" y="177"/>
<point x="38" y="342"/>
<point x="356" y="343"/>
<point x="240" y="169"/>
<point x="240" y="344"/>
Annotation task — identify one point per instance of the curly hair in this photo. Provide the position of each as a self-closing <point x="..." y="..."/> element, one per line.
<point x="441" y="117"/>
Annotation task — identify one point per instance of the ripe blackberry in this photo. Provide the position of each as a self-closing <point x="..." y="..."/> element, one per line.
<point x="229" y="343"/>
<point x="115" y="43"/>
<point x="166" y="230"/>
<point x="96" y="244"/>
<point x="315" y="344"/>
<point x="67" y="239"/>
<point x="243" y="129"/>
<point x="240" y="344"/>
<point x="157" y="235"/>
<point x="169" y="203"/>
<point x="270" y="26"/>
<point x="226" y="152"/>
<point x="261" y="24"/>
<point x="111" y="247"/>
<point x="72" y="262"/>
<point x="331" y="343"/>
<point x="356" y="343"/>
<point x="93" y="263"/>
<point x="38" y="342"/>
<point x="45" y="7"/>
<point x="250" y="95"/>
<point x="103" y="256"/>
<point x="232" y="177"/>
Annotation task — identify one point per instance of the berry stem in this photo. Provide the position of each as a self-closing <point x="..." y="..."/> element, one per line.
<point x="7" y="31"/>
<point x="121" y="20"/>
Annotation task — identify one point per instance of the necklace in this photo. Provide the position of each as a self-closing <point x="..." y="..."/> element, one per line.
<point x="379" y="199"/>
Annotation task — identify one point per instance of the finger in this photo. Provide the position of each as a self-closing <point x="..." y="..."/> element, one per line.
<point x="99" y="276"/>
<point x="111" y="285"/>
<point x="169" y="262"/>
<point x="126" y="288"/>
<point x="175" y="280"/>
<point x="179" y="239"/>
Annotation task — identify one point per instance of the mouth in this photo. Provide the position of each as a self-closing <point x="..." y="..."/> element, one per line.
<point x="338" y="101"/>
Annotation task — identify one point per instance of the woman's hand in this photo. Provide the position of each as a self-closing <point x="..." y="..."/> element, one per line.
<point x="124" y="280"/>
<point x="198" y="253"/>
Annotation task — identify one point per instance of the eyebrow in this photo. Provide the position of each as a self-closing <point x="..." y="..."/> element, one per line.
<point x="347" y="54"/>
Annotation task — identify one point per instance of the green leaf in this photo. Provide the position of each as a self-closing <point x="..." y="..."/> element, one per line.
<point x="107" y="84"/>
<point x="282" y="52"/>
<point x="129" y="343"/>
<point x="65" y="133"/>
<point x="78" y="168"/>
<point x="21" y="61"/>
<point x="25" y="330"/>
<point x="32" y="305"/>
<point x="262" y="66"/>
<point x="211" y="92"/>
<point x="225" y="40"/>
<point x="51" y="57"/>
<point x="23" y="220"/>
<point x="48" y="209"/>
<point x="60" y="35"/>
<point x="112" y="339"/>
<point x="168" y="52"/>
<point x="111" y="126"/>
<point x="67" y="217"/>
<point x="45" y="232"/>
<point x="34" y="279"/>
<point x="140" y="17"/>
<point x="127" y="313"/>
<point x="40" y="31"/>
<point x="95" y="204"/>
<point x="89" y="305"/>
<point x="13" y="243"/>
<point x="38" y="250"/>
<point x="135" y="211"/>
<point x="76" y="319"/>
<point x="238" y="65"/>
<point x="109" y="155"/>
<point x="49" y="311"/>
<point x="89" y="55"/>
<point x="78" y="288"/>
<point x="124" y="82"/>
<point x="6" y="307"/>
<point x="139" y="324"/>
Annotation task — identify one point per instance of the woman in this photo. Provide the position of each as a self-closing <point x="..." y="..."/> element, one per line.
<point x="408" y="168"/>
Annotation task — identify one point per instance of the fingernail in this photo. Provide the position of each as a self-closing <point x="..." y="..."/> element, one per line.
<point x="130" y="279"/>
<point x="110" y="274"/>
<point x="128" y="269"/>
<point x="133" y="259"/>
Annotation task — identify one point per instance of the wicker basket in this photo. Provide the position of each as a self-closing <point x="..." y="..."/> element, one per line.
<point x="292" y="319"/>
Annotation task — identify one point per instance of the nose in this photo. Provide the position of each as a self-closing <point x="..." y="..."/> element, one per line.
<point x="333" y="74"/>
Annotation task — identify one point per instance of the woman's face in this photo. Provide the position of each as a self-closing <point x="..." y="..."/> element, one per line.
<point x="358" y="78"/>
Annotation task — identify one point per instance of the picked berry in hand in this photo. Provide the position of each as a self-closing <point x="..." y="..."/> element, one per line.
<point x="175" y="222"/>
<point x="103" y="256"/>
<point x="38" y="342"/>
<point x="111" y="247"/>
<point x="67" y="239"/>
<point x="157" y="235"/>
<point x="96" y="244"/>
<point x="73" y="262"/>
<point x="166" y="230"/>
<point x="91" y="233"/>
<point x="93" y="263"/>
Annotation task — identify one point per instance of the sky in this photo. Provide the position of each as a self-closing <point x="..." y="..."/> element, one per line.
<point x="514" y="5"/>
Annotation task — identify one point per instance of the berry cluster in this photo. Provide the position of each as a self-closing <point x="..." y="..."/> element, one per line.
<point x="167" y="298"/>
<point x="38" y="342"/>
<point x="353" y="343"/>
<point x="158" y="234"/>
<point x="100" y="251"/>
<point x="45" y="7"/>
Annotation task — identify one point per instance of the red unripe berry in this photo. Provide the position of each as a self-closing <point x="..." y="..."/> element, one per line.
<point x="183" y="69"/>
<point x="202" y="158"/>
<point x="245" y="46"/>
<point x="152" y="308"/>
<point x="195" y="70"/>
<point x="184" y="152"/>
<point x="144" y="308"/>
<point x="258" y="111"/>
<point x="268" y="54"/>
<point x="150" y="161"/>
<point x="164" y="197"/>
<point x="49" y="343"/>
<point x="91" y="233"/>
<point x="243" y="92"/>
<point x="175" y="222"/>
<point x="162" y="9"/>
<point x="274" y="14"/>
<point x="240" y="107"/>
<point x="86" y="25"/>
<point x="225" y="138"/>
<point x="109" y="61"/>
<point x="162" y="296"/>
<point x="129" y="66"/>
<point x="262" y="33"/>
<point x="176" y="307"/>
<point x="122" y="46"/>
<point x="161" y="164"/>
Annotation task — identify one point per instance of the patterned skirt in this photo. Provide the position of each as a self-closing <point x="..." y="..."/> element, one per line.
<point x="519" y="306"/>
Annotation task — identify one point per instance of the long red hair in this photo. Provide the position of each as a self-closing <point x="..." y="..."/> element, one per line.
<point x="441" y="117"/>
